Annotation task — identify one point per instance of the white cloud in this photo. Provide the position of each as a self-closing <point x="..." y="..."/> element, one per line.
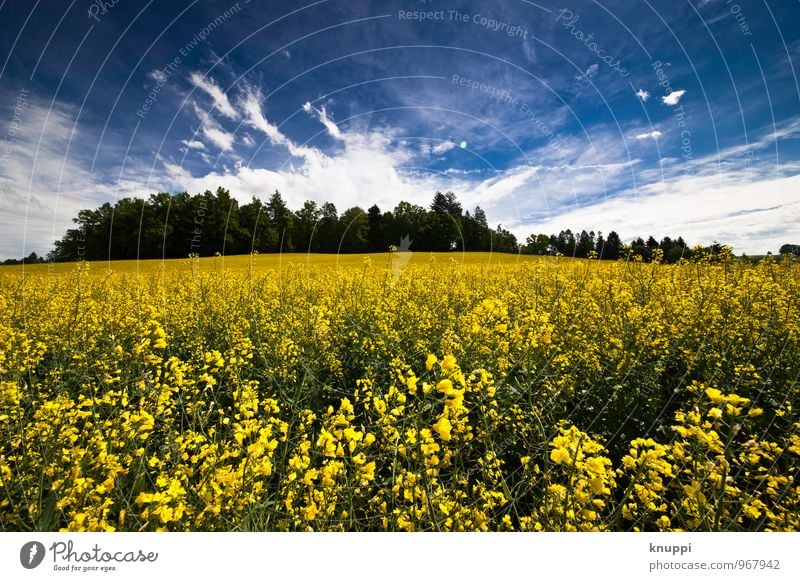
<point x="250" y="102"/>
<point x="158" y="76"/>
<point x="501" y="188"/>
<point x="221" y="101"/>
<point x="193" y="144"/>
<point x="752" y="215"/>
<point x="333" y="129"/>
<point x="673" y="98"/>
<point x="574" y="183"/>
<point x="650" y="135"/>
<point x="588" y="74"/>
<point x="443" y="147"/>
<point x="369" y="167"/>
<point x="213" y="131"/>
<point x="44" y="181"/>
<point x="642" y="94"/>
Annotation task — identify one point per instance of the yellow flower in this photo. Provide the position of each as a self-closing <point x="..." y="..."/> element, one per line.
<point x="455" y="399"/>
<point x="430" y="361"/>
<point x="310" y="476"/>
<point x="443" y="427"/>
<point x="448" y="363"/>
<point x="752" y="512"/>
<point x="560" y="456"/>
<point x="445" y="386"/>
<point x="367" y="472"/>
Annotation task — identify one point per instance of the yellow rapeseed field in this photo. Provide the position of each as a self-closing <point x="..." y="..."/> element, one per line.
<point x="405" y="392"/>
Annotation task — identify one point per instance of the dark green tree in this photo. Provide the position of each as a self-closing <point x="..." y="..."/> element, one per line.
<point x="585" y="244"/>
<point x="306" y="225"/>
<point x="538" y="244"/>
<point x="376" y="237"/>
<point x="354" y="226"/>
<point x="330" y="234"/>
<point x="612" y="247"/>
<point x="280" y="218"/>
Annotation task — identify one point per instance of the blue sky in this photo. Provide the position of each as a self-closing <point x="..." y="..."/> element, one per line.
<point x="643" y="116"/>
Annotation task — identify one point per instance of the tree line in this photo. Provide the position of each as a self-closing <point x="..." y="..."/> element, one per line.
<point x="591" y="245"/>
<point x="610" y="247"/>
<point x="174" y="226"/>
<point x="177" y="225"/>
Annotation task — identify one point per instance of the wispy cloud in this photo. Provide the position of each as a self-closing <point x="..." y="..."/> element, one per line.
<point x="322" y="115"/>
<point x="590" y="72"/>
<point x="443" y="147"/>
<point x="212" y="130"/>
<point x="250" y="102"/>
<point x="590" y="181"/>
<point x="221" y="101"/>
<point x="46" y="179"/>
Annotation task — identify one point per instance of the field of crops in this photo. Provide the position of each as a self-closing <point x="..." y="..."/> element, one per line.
<point x="406" y="392"/>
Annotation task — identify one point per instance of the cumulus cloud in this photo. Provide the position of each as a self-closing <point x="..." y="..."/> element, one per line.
<point x="753" y="215"/>
<point x="673" y="98"/>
